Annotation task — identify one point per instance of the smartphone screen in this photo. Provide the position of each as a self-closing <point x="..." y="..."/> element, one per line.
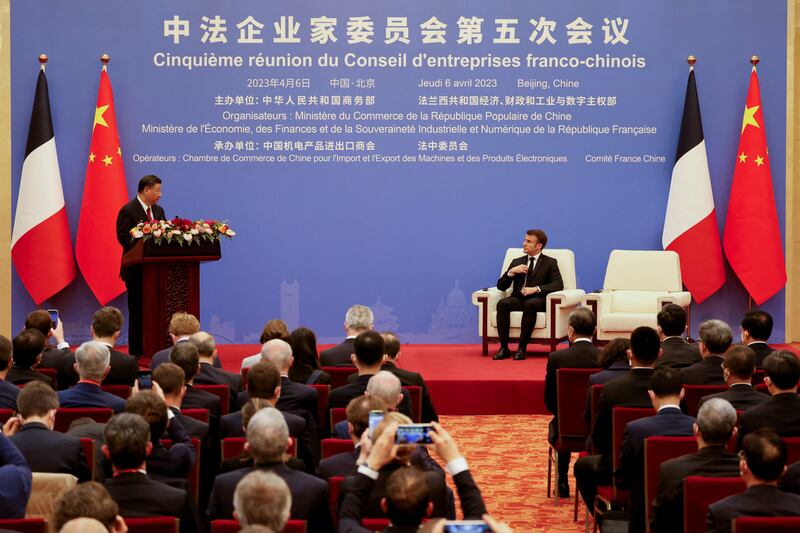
<point x="53" y="317"/>
<point x="145" y="379"/>
<point x="413" y="434"/>
<point x="466" y="526"/>
<point x="375" y="418"/>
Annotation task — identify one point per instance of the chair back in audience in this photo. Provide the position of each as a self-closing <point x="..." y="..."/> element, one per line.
<point x="234" y="446"/>
<point x="792" y="449"/>
<point x="194" y="473"/>
<point x="594" y="402"/>
<point x="66" y="415"/>
<point x="415" y="395"/>
<point x="5" y="414"/>
<point x="197" y="414"/>
<point x="766" y="524"/>
<point x="123" y="391"/>
<point x="232" y="526"/>
<point x="333" y="446"/>
<point x="334" y="487"/>
<point x="323" y="391"/>
<point x="620" y="418"/>
<point x="24" y="525"/>
<point x="339" y="374"/>
<point x="89" y="452"/>
<point x="656" y="451"/>
<point x="337" y="415"/>
<point x="693" y="393"/>
<point x="699" y="493"/>
<point x="50" y="373"/>
<point x="224" y="393"/>
<point x="151" y="524"/>
<point x="572" y="383"/>
<point x="375" y="524"/>
<point x="758" y="377"/>
<point x="46" y="491"/>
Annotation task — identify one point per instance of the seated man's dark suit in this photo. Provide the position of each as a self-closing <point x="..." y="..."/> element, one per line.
<point x="90" y="395"/>
<point x="341" y="396"/>
<point x="545" y="275"/>
<point x="711" y="461"/>
<point x="668" y="422"/>
<point x="51" y="451"/>
<point x="706" y="372"/>
<point x="54" y="358"/>
<point x="338" y="355"/>
<point x="781" y="412"/>
<point x="309" y="496"/>
<point x="210" y="375"/>
<point x="8" y="395"/>
<point x="742" y="396"/>
<point x="677" y="353"/>
<point x="123" y="370"/>
<point x="200" y="399"/>
<point x="176" y="461"/>
<point x="758" y="500"/>
<point x="20" y="375"/>
<point x="414" y="379"/>
<point x="790" y="482"/>
<point x="339" y="465"/>
<point x="762" y="350"/>
<point x="137" y="495"/>
<point x="15" y="480"/>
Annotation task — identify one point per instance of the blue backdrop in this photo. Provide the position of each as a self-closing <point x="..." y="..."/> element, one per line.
<point x="410" y="239"/>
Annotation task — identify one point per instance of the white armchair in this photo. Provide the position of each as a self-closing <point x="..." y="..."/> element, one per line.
<point x="637" y="284"/>
<point x="551" y="326"/>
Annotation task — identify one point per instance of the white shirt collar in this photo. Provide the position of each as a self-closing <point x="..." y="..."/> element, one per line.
<point x="535" y="257"/>
<point x="756" y="342"/>
<point x="582" y="339"/>
<point x="668" y="406"/>
<point x="144" y="205"/>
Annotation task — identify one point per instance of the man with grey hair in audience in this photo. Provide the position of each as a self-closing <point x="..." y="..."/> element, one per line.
<point x="92" y="364"/>
<point x="211" y="375"/>
<point x="262" y="498"/>
<point x="713" y="430"/>
<point x="267" y="441"/>
<point x="715" y="339"/>
<point x="358" y="319"/>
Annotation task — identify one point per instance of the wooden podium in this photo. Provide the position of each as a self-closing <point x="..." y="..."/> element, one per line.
<point x="170" y="283"/>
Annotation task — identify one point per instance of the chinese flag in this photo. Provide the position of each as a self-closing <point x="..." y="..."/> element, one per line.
<point x="752" y="238"/>
<point x="97" y="250"/>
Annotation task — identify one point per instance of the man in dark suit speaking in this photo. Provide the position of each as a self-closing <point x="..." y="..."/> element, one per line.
<point x="533" y="276"/>
<point x="140" y="209"/>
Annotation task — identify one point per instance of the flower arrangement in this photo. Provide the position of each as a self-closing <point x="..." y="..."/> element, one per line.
<point x="181" y="231"/>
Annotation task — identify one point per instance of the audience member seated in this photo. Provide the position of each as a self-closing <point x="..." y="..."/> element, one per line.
<point x="163" y="463"/>
<point x="52" y="357"/>
<point x="181" y="327"/>
<point x="740" y="362"/>
<point x="85" y="525"/>
<point x="613" y="359"/>
<point x="305" y="367"/>
<point x="15" y="475"/>
<point x="170" y="379"/>
<point x="582" y="353"/>
<point x="716" y="425"/>
<point x="46" y="450"/>
<point x="391" y="354"/>
<point x="343" y="464"/>
<point x="629" y="390"/>
<point x="262" y="498"/>
<point x="211" y="375"/>
<point x="127" y="445"/>
<point x="273" y="329"/>
<point x="267" y="441"/>
<point x="782" y="411"/>
<point x="715" y="339"/>
<point x="384" y="386"/>
<point x="666" y="393"/>
<point x="185" y="355"/>
<point x="357" y="320"/>
<point x="762" y="464"/>
<point x="756" y="328"/>
<point x="677" y="353"/>
<point x="106" y="328"/>
<point x="407" y="497"/>
<point x="89" y="500"/>
<point x="8" y="391"/>
<point x="26" y="354"/>
<point x="91" y="362"/>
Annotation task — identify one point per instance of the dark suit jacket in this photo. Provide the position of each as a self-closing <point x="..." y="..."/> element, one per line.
<point x="8" y="395"/>
<point x="174" y="462"/>
<point x="546" y="276"/>
<point x="123" y="370"/>
<point x="211" y="375"/>
<point x="200" y="399"/>
<point x="581" y="354"/>
<point x="629" y="390"/>
<point x="129" y="216"/>
<point x="790" y="482"/>
<point x="781" y="412"/>
<point x="54" y="358"/>
<point x="294" y="397"/>
<point x="670" y="421"/>
<point x="341" y="396"/>
<point x="617" y="369"/>
<point x="762" y="350"/>
<point x="706" y="372"/>
<point x="309" y="496"/>
<point x="677" y="353"/>
<point x="89" y="395"/>
<point x="742" y="396"/>
<point x="15" y="480"/>
<point x="19" y="376"/>
<point x="51" y="451"/>
<point x="341" y="464"/>
<point x="407" y="378"/>
<point x="711" y="461"/>
<point x="338" y="355"/>
<point x="138" y="495"/>
<point x="758" y="500"/>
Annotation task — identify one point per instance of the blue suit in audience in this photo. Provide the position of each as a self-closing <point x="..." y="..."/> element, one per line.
<point x="90" y="395"/>
<point x="15" y="480"/>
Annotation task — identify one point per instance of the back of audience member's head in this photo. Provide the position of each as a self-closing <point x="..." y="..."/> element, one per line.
<point x="253" y="406"/>
<point x="6" y="352"/>
<point x="183" y="324"/>
<point x="368" y="348"/>
<point x="672" y="320"/>
<point x="87" y="500"/>
<point x="716" y="336"/>
<point x="204" y="342"/>
<point x="278" y="352"/>
<point x="359" y="318"/>
<point x="267" y="436"/>
<point x="27" y="347"/>
<point x="170" y="377"/>
<point x="127" y="438"/>
<point x="92" y="359"/>
<point x="783" y="369"/>
<point x="262" y="498"/>
<point x="614" y="351"/>
<point x="740" y="361"/>
<point x="39" y="320"/>
<point x="274" y="329"/>
<point x="716" y="421"/>
<point x="758" y="324"/>
<point x="106" y="321"/>
<point x="262" y="380"/>
<point x="765" y="454"/>
<point x="83" y="525"/>
<point x="404" y="451"/>
<point x="152" y="408"/>
<point x="407" y="497"/>
<point x="304" y="348"/>
<point x="184" y="354"/>
<point x="358" y="412"/>
<point x="36" y="399"/>
<point x="582" y="321"/>
<point x="386" y="387"/>
<point x="666" y="382"/>
<point x="645" y="345"/>
<point x="391" y="344"/>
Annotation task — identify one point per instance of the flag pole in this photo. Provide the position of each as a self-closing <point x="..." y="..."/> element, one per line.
<point x="42" y="60"/>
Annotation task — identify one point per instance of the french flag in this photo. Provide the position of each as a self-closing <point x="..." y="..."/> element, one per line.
<point x="41" y="246"/>
<point x="690" y="225"/>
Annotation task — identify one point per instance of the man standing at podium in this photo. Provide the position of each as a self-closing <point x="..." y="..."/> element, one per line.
<point x="141" y="209"/>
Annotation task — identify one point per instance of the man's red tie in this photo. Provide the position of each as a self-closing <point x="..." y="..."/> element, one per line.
<point x="150" y="214"/>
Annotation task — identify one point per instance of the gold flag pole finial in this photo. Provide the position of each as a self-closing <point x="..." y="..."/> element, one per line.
<point x="754" y="60"/>
<point x="691" y="60"/>
<point x="42" y="60"/>
<point x="104" y="59"/>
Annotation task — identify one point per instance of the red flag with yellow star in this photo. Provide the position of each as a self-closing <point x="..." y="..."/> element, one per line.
<point x="104" y="193"/>
<point x="752" y="238"/>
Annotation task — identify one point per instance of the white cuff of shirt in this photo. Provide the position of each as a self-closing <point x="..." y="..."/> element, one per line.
<point x="63" y="345"/>
<point x="170" y="414"/>
<point x="456" y="466"/>
<point x="367" y="471"/>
